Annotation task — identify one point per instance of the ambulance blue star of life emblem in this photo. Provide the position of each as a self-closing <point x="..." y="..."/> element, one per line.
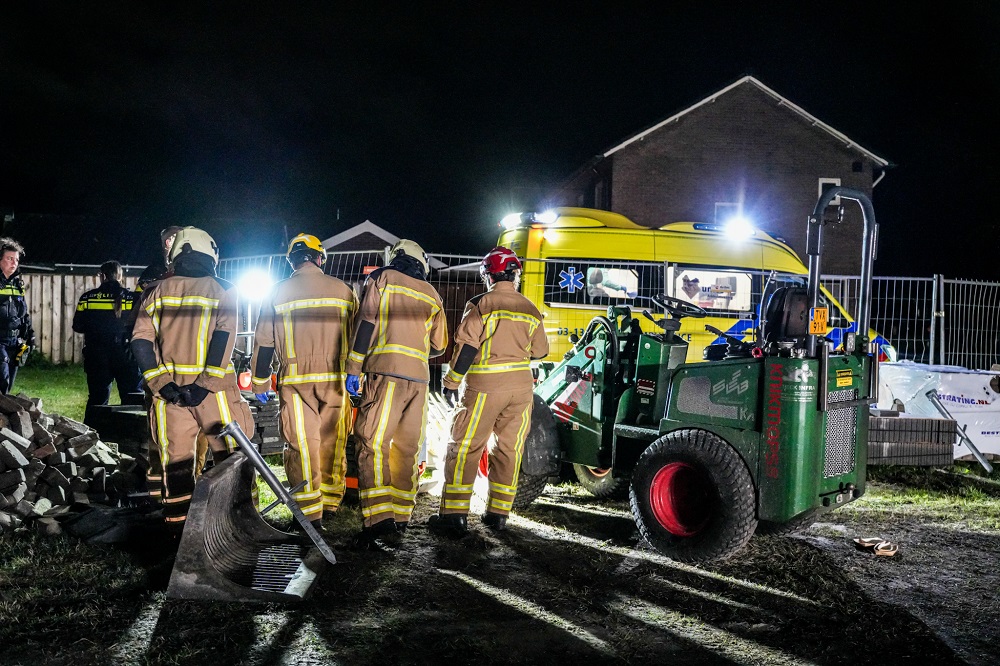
<point x="571" y="280"/>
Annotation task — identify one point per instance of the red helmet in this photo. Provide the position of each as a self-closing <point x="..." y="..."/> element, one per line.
<point x="499" y="260"/>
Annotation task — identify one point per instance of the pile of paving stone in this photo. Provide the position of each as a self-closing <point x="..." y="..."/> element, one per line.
<point x="50" y="465"/>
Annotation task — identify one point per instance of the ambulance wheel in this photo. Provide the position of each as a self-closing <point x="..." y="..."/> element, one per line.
<point x="692" y="497"/>
<point x="601" y="482"/>
<point x="796" y="524"/>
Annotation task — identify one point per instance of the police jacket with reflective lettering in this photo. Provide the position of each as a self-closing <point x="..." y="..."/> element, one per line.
<point x="15" y="322"/>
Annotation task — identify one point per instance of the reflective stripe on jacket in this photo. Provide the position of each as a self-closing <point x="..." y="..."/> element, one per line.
<point x="409" y="322"/>
<point x="179" y="315"/>
<point x="96" y="318"/>
<point x="507" y="330"/>
<point x="306" y="320"/>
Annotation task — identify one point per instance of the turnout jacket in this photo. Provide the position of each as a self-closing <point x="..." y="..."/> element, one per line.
<point x="507" y="330"/>
<point x="96" y="318"/>
<point x="306" y="322"/>
<point x="192" y="323"/>
<point x="15" y="321"/>
<point x="409" y="327"/>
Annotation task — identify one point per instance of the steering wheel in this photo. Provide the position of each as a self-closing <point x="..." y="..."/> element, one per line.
<point x="679" y="308"/>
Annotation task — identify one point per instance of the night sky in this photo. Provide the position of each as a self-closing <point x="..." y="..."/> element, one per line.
<point x="435" y="120"/>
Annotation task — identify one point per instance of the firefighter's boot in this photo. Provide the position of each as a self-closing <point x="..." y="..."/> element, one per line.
<point x="494" y="521"/>
<point x="454" y="525"/>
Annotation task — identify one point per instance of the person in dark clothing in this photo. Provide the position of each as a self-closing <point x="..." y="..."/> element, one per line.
<point x="155" y="272"/>
<point x="17" y="337"/>
<point x="101" y="317"/>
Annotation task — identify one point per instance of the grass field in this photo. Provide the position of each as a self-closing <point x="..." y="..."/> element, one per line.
<point x="62" y="388"/>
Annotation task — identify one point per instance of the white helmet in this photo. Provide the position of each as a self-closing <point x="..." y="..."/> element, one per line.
<point x="196" y="240"/>
<point x="410" y="249"/>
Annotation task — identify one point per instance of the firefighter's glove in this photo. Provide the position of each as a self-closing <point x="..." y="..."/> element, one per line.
<point x="192" y="395"/>
<point x="353" y="384"/>
<point x="262" y="398"/>
<point x="451" y="397"/>
<point x="171" y="393"/>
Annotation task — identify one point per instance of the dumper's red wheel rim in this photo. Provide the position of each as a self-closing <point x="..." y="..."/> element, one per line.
<point x="678" y="496"/>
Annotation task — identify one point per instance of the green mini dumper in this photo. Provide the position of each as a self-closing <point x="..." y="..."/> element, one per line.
<point x="762" y="440"/>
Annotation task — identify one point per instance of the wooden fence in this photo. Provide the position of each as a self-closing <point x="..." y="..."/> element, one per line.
<point x="52" y="300"/>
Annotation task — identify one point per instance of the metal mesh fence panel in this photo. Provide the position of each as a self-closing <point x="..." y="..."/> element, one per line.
<point x="902" y="311"/>
<point x="971" y="323"/>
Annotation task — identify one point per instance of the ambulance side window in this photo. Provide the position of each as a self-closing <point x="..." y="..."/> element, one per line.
<point x="597" y="283"/>
<point x="713" y="289"/>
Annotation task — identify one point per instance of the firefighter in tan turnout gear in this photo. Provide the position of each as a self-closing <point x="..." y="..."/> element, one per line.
<point x="399" y="327"/>
<point x="305" y="324"/>
<point x="183" y="340"/>
<point x="500" y="333"/>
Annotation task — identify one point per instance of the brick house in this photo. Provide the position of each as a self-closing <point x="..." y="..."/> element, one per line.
<point x="744" y="148"/>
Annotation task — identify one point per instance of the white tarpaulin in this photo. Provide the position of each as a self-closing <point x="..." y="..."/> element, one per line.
<point x="971" y="396"/>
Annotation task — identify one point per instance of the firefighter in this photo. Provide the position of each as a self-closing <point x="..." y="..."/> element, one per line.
<point x="305" y="324"/>
<point x="183" y="340"/>
<point x="17" y="337"/>
<point x="399" y="327"/>
<point x="101" y="316"/>
<point x="500" y="333"/>
<point x="153" y="273"/>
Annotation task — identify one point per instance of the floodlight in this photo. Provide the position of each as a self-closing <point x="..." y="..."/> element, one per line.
<point x="738" y="228"/>
<point x="254" y="285"/>
<point x="511" y="221"/>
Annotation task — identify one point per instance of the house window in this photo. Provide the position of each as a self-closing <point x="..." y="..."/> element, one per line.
<point x="824" y="185"/>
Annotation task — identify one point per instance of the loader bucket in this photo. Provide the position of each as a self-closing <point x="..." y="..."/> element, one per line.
<point x="228" y="553"/>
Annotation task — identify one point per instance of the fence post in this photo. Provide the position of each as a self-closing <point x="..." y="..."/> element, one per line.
<point x="933" y="318"/>
<point x="939" y="314"/>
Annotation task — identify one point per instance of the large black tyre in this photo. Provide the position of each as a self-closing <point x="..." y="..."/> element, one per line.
<point x="601" y="482"/>
<point x="693" y="498"/>
<point x="796" y="524"/>
<point x="529" y="488"/>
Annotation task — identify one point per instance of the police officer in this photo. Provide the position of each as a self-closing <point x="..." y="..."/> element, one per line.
<point x="101" y="316"/>
<point x="500" y="333"/>
<point x="305" y="324"/>
<point x="17" y="337"/>
<point x="399" y="327"/>
<point x="183" y="340"/>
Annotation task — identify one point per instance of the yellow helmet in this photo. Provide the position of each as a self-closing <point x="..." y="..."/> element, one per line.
<point x="306" y="243"/>
<point x="195" y="240"/>
<point x="410" y="249"/>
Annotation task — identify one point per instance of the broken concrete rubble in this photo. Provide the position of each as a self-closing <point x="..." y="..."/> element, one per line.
<point x="49" y="462"/>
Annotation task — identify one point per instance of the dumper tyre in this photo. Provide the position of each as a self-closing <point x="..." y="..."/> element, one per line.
<point x="529" y="486"/>
<point x="693" y="498"/>
<point x="796" y="524"/>
<point x="601" y="482"/>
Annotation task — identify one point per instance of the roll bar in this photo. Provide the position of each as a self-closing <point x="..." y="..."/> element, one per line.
<point x="814" y="248"/>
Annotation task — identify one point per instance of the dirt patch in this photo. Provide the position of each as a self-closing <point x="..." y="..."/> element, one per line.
<point x="567" y="581"/>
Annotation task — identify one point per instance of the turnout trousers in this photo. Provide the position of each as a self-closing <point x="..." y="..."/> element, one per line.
<point x="389" y="432"/>
<point x="315" y="421"/>
<point x="175" y="431"/>
<point x="506" y="413"/>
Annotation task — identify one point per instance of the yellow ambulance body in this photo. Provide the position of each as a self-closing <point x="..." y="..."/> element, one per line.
<point x="577" y="261"/>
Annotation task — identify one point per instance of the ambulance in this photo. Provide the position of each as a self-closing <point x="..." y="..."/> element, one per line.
<point x="579" y="261"/>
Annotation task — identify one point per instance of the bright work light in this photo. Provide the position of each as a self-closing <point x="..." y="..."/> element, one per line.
<point x="254" y="285"/>
<point x="511" y="221"/>
<point x="738" y="228"/>
<point x="548" y="217"/>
